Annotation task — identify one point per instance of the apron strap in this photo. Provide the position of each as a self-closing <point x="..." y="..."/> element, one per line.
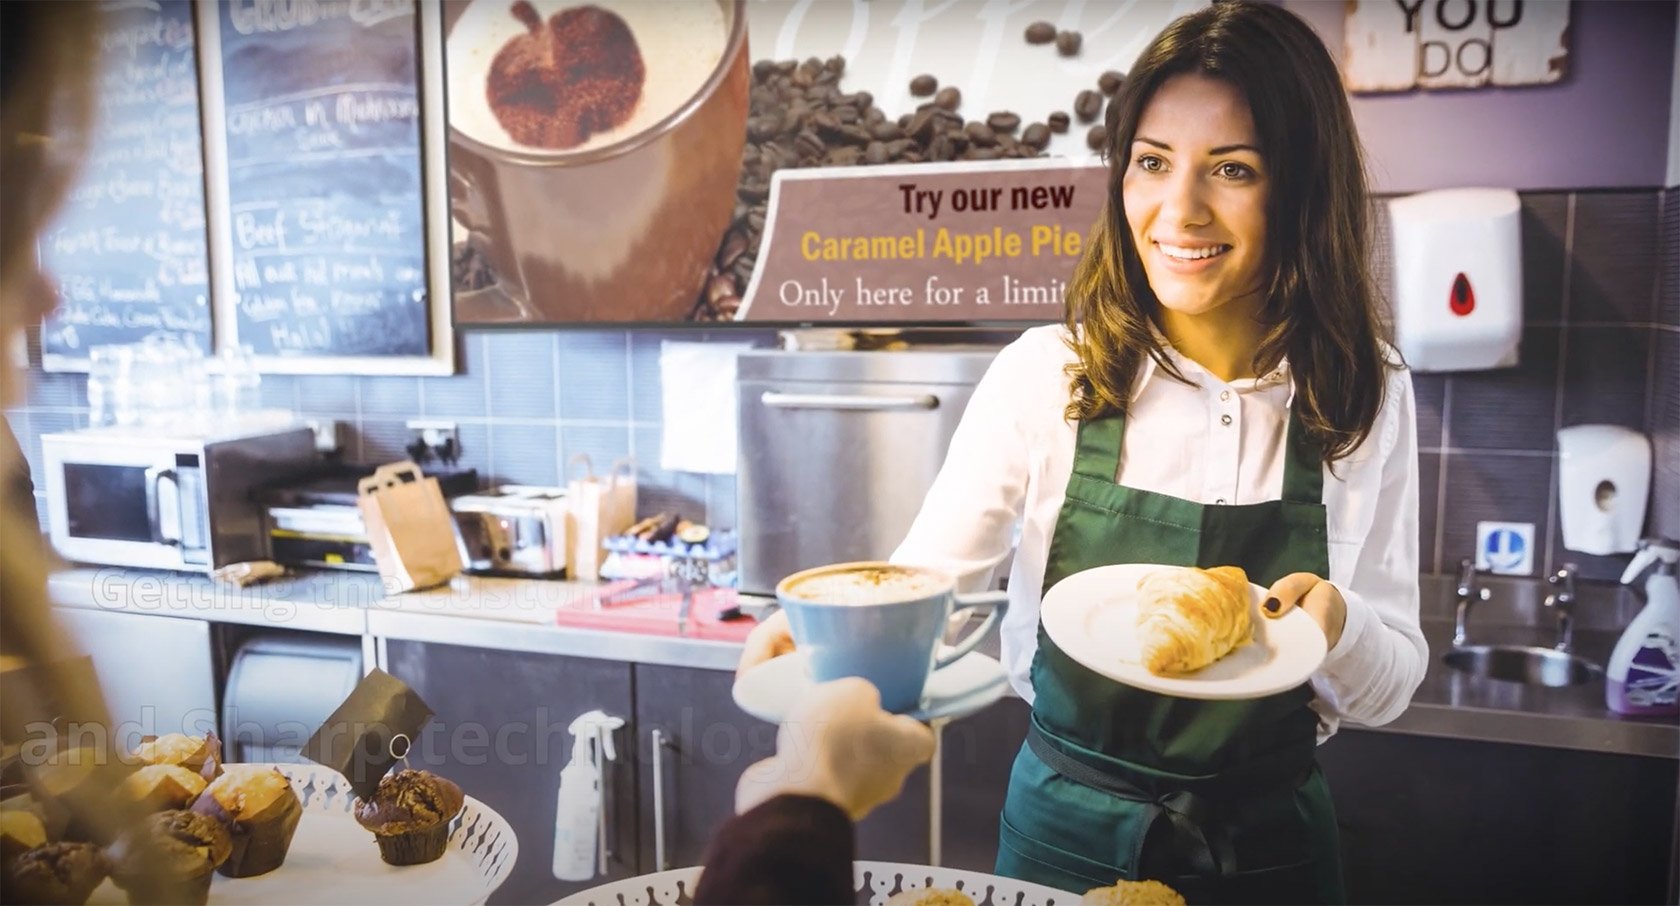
<point x="1303" y="468"/>
<point x="1206" y="854"/>
<point x="1097" y="449"/>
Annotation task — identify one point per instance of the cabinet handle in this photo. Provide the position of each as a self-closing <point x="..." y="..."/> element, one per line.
<point x="777" y="400"/>
<point x="659" y="745"/>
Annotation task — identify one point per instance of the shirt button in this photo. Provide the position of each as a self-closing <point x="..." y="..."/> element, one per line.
<point x="1225" y="419"/>
<point x="1224" y="396"/>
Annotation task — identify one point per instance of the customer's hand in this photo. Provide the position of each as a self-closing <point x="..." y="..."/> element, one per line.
<point x="769" y="639"/>
<point x="840" y="746"/>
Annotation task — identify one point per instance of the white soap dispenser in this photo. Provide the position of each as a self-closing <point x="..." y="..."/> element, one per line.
<point x="1604" y="478"/>
<point x="1641" y="678"/>
<point x="577" y="812"/>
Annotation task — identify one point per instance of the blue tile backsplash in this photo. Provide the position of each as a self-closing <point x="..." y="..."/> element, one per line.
<point x="1601" y="343"/>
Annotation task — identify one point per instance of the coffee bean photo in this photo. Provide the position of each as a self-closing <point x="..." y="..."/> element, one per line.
<point x="1040" y="33"/>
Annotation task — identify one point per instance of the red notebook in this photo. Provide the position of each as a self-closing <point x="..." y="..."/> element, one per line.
<point x="655" y="613"/>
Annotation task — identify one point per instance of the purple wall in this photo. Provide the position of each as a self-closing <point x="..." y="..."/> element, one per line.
<point x="1604" y="126"/>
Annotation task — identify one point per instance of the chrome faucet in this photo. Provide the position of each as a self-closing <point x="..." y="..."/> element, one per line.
<point x="1563" y="601"/>
<point x="1465" y="592"/>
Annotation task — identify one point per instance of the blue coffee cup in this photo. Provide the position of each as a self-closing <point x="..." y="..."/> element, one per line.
<point x="882" y="622"/>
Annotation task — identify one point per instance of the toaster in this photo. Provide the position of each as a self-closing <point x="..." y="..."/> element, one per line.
<point x="513" y="530"/>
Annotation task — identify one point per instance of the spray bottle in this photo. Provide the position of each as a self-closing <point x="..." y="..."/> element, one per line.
<point x="1641" y="677"/>
<point x="577" y="812"/>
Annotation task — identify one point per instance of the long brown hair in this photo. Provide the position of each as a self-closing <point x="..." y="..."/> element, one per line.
<point x="1320" y="308"/>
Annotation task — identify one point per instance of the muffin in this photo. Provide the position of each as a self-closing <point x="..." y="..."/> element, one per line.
<point x="260" y="810"/>
<point x="156" y="787"/>
<point x="54" y="874"/>
<point x="68" y="789"/>
<point x="170" y="858"/>
<point x="199" y="754"/>
<point x="20" y="831"/>
<point x="930" y="896"/>
<point x="1133" y="893"/>
<point x="409" y="815"/>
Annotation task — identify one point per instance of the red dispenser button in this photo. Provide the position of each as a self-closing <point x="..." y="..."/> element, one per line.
<point x="1463" y="299"/>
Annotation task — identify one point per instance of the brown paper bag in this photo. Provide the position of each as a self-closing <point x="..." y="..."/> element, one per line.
<point x="409" y="527"/>
<point x="597" y="509"/>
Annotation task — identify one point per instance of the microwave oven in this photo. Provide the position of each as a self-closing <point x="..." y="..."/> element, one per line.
<point x="166" y="500"/>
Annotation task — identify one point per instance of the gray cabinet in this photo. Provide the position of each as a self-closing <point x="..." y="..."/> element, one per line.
<point x="1433" y="820"/>
<point x="705" y="745"/>
<point x="157" y="673"/>
<point x="500" y="731"/>
<point x="976" y="755"/>
<point x="707" y="742"/>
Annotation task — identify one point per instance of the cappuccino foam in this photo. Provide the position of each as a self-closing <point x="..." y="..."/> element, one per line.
<point x="681" y="43"/>
<point x="867" y="585"/>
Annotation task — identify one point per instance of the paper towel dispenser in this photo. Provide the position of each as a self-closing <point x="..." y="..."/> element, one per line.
<point x="1457" y="278"/>
<point x="1604" y="478"/>
<point x="281" y="687"/>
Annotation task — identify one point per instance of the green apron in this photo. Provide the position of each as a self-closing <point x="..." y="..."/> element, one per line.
<point x="1222" y="800"/>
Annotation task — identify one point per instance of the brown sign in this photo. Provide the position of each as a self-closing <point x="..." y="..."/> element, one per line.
<point x="965" y="242"/>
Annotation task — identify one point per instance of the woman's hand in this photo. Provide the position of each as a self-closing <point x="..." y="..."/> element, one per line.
<point x="1317" y="597"/>
<point x="769" y="639"/>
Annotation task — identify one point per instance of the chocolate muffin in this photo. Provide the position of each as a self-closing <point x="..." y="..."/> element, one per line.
<point x="170" y="858"/>
<point x="409" y="815"/>
<point x="260" y="810"/>
<point x="156" y="787"/>
<point x="54" y="874"/>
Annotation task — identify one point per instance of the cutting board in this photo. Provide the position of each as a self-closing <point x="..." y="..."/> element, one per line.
<point x="656" y="613"/>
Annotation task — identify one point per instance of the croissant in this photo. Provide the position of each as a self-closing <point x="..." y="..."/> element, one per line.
<point x="1189" y="618"/>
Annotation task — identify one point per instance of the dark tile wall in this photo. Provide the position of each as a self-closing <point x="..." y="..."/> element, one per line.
<point x="1601" y="343"/>
<point x="1665" y="374"/>
<point x="526" y="403"/>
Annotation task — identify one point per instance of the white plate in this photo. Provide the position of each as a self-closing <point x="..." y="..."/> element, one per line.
<point x="873" y="881"/>
<point x="772" y="689"/>
<point x="333" y="860"/>
<point x="1092" y="617"/>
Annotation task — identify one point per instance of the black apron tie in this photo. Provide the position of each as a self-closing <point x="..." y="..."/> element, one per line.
<point x="1208" y="855"/>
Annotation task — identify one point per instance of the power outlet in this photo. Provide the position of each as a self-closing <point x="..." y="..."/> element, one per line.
<point x="437" y="435"/>
<point x="329" y="435"/>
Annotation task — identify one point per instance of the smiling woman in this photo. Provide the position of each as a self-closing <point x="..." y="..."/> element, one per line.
<point x="1219" y="397"/>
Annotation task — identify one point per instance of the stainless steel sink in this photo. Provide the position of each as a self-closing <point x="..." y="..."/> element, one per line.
<point x="1522" y="664"/>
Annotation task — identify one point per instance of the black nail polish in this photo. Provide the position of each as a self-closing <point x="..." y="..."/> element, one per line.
<point x="1272" y="605"/>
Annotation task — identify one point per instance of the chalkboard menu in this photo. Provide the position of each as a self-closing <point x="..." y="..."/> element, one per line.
<point x="128" y="249"/>
<point x="322" y="122"/>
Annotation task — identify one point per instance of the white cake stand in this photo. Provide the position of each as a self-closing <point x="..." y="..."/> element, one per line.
<point x="333" y="860"/>
<point x="874" y="881"/>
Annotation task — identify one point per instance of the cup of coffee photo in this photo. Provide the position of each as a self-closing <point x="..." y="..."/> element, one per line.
<point x="882" y="622"/>
<point x="594" y="152"/>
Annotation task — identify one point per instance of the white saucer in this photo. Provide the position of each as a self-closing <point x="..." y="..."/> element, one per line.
<point x="1092" y="617"/>
<point x="772" y="689"/>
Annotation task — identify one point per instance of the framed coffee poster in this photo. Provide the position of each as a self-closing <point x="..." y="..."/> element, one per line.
<point x="325" y="181"/>
<point x="627" y="161"/>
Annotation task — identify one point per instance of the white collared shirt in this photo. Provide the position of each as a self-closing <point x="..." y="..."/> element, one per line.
<point x="1216" y="442"/>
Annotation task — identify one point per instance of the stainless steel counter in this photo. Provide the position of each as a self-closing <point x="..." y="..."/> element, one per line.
<point x="1459" y="706"/>
<point x="517" y="615"/>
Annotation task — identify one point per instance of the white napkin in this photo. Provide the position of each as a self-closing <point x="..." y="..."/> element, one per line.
<point x="698" y="384"/>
